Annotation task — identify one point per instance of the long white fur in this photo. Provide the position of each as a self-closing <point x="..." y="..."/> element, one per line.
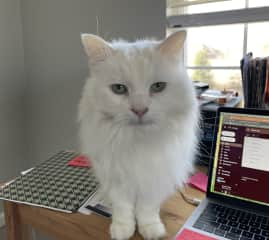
<point x="138" y="165"/>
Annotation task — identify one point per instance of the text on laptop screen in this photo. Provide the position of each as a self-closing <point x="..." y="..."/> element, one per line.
<point x="241" y="162"/>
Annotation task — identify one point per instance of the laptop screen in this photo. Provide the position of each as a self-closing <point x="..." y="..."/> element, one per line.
<point x="241" y="161"/>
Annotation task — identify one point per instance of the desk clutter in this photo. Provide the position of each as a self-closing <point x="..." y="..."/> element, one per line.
<point x="209" y="101"/>
<point x="61" y="183"/>
<point x="207" y="126"/>
<point x="205" y="95"/>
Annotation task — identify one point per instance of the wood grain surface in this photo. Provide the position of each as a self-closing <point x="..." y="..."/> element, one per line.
<point x="64" y="226"/>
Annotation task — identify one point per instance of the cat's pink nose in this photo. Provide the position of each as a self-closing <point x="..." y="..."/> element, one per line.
<point x="139" y="112"/>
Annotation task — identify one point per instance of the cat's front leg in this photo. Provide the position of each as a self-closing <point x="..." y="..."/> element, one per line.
<point x="123" y="220"/>
<point x="149" y="223"/>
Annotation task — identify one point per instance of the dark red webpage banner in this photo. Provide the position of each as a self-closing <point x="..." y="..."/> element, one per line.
<point x="234" y="179"/>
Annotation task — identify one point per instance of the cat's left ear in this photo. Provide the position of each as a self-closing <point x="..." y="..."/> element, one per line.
<point x="96" y="48"/>
<point x="172" y="46"/>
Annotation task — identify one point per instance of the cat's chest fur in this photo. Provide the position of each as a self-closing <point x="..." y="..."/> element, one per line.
<point x="151" y="163"/>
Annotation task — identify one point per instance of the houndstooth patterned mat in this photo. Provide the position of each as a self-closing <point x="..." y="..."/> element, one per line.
<point x="53" y="184"/>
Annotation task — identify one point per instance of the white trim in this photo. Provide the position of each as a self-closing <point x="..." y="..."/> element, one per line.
<point x="2" y="220"/>
<point x="214" y="67"/>
<point x="245" y="41"/>
<point x="191" y="3"/>
<point x="247" y="15"/>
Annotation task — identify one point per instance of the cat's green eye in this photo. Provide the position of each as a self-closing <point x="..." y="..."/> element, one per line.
<point x="119" y="89"/>
<point x="157" y="87"/>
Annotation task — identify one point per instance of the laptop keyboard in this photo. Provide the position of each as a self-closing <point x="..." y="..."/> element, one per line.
<point x="232" y="223"/>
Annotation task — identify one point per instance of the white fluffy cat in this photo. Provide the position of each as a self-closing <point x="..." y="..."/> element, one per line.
<point x="138" y="122"/>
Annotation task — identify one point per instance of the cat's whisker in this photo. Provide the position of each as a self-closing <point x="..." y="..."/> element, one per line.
<point x="205" y="150"/>
<point x="120" y="120"/>
<point x="115" y="141"/>
<point x="203" y="118"/>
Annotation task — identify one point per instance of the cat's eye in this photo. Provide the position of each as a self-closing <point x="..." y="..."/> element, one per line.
<point x="119" y="89"/>
<point x="157" y="87"/>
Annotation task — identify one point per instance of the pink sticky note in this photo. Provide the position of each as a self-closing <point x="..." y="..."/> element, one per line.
<point x="80" y="161"/>
<point x="187" y="234"/>
<point x="198" y="180"/>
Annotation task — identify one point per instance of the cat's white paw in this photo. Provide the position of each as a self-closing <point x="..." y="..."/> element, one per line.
<point x="121" y="231"/>
<point x="153" y="231"/>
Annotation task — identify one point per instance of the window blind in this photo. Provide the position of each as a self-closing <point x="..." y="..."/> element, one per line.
<point x="178" y="15"/>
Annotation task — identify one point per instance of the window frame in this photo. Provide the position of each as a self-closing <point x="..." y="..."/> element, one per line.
<point x="240" y="16"/>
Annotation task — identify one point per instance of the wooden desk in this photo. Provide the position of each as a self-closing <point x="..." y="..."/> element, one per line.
<point x="65" y="226"/>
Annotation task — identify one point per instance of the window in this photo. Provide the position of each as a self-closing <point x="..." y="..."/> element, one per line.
<point x="220" y="33"/>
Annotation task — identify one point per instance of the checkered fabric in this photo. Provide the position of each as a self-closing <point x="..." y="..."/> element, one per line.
<point x="53" y="184"/>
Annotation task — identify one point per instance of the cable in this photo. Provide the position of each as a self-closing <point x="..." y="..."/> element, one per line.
<point x="190" y="200"/>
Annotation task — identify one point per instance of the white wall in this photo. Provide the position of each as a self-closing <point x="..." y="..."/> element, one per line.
<point x="43" y="69"/>
<point x="12" y="91"/>
<point x="56" y="66"/>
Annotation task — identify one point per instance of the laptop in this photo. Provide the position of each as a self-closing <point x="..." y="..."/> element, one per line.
<point x="237" y="201"/>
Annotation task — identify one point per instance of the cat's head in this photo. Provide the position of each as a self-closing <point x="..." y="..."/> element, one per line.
<point x="137" y="84"/>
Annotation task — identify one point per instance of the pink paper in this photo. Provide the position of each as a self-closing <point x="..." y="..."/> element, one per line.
<point x="198" y="180"/>
<point x="80" y="161"/>
<point x="187" y="234"/>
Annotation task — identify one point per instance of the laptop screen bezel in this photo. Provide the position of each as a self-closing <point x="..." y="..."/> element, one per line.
<point x="232" y="200"/>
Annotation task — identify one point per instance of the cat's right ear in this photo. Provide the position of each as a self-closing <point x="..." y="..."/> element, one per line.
<point x="173" y="45"/>
<point x="95" y="47"/>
